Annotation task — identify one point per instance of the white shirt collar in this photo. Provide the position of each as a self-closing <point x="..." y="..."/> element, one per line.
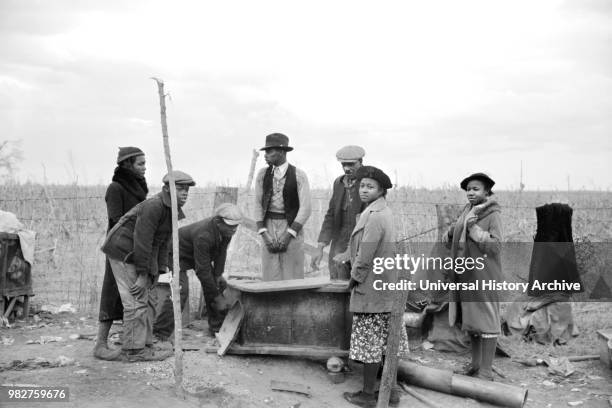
<point x="283" y="169"/>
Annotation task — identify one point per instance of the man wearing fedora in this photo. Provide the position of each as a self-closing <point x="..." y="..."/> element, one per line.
<point x="344" y="208"/>
<point x="282" y="207"/>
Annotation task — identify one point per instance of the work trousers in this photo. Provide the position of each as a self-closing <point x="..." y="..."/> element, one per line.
<point x="138" y="311"/>
<point x="164" y="322"/>
<point x="283" y="265"/>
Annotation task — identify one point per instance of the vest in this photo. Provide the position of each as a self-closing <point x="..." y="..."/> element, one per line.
<point x="290" y="193"/>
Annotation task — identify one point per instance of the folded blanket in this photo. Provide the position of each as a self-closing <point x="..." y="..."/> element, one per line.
<point x="27" y="239"/>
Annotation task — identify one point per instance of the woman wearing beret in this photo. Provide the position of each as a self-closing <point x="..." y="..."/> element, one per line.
<point x="128" y="188"/>
<point x="373" y="237"/>
<point x="478" y="234"/>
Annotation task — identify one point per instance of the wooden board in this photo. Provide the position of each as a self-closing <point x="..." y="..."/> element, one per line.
<point x="229" y="330"/>
<point x="336" y="286"/>
<point x="257" y="286"/>
<point x="273" y="349"/>
<point x="277" y="385"/>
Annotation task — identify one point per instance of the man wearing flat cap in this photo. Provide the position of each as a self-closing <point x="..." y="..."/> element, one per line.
<point x="342" y="212"/>
<point x="282" y="207"/>
<point x="137" y="249"/>
<point x="203" y="248"/>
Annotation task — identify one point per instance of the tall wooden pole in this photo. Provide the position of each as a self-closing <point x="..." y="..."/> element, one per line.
<point x="393" y="339"/>
<point x="175" y="288"/>
<point x="251" y="170"/>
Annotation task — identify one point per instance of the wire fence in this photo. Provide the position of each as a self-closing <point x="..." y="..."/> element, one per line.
<point x="71" y="223"/>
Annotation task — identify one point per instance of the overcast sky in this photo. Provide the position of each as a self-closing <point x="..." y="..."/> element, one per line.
<point x="433" y="90"/>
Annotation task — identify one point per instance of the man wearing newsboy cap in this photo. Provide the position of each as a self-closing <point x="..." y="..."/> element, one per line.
<point x="342" y="212"/>
<point x="203" y="248"/>
<point x="282" y="207"/>
<point x="137" y="249"/>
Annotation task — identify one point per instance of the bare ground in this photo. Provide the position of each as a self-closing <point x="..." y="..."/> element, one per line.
<point x="238" y="381"/>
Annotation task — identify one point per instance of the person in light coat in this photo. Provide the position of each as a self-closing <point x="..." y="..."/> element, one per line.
<point x="477" y="234"/>
<point x="372" y="238"/>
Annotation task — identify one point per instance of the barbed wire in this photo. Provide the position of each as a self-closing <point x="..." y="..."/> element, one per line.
<point x="90" y="197"/>
<point x="202" y="194"/>
<point x="418" y="234"/>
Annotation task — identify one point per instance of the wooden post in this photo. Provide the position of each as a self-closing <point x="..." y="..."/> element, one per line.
<point x="447" y="214"/>
<point x="396" y="321"/>
<point x="174" y="286"/>
<point x="225" y="195"/>
<point x="251" y="171"/>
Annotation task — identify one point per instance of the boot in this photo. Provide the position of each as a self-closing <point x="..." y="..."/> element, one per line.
<point x="472" y="369"/>
<point x="101" y="350"/>
<point x="365" y="398"/>
<point x="361" y="399"/>
<point x="147" y="354"/>
<point x="103" y="330"/>
<point x="488" y="353"/>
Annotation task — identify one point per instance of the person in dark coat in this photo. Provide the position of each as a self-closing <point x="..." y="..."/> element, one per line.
<point x="137" y="248"/>
<point x="203" y="248"/>
<point x="477" y="234"/>
<point x="342" y="212"/>
<point x="554" y="256"/>
<point x="127" y="189"/>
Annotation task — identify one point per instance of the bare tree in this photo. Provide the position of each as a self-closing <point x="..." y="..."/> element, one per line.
<point x="10" y="156"/>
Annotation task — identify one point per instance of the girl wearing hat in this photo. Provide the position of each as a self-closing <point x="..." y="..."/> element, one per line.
<point x="373" y="237"/>
<point x="477" y="234"/>
<point x="128" y="188"/>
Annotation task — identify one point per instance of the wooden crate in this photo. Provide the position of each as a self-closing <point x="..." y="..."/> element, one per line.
<point x="15" y="275"/>
<point x="302" y="317"/>
<point x="605" y="346"/>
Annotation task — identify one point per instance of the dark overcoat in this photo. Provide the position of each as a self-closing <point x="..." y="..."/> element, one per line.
<point x="124" y="192"/>
<point x="141" y="236"/>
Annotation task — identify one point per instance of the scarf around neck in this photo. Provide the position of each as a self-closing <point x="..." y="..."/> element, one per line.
<point x="133" y="183"/>
<point x="480" y="211"/>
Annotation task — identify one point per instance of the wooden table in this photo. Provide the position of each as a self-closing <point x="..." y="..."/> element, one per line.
<point x="300" y="317"/>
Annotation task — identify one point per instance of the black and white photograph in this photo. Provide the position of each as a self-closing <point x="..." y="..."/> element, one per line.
<point x="306" y="204"/>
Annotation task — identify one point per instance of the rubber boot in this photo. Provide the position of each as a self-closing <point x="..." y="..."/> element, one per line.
<point x="101" y="350"/>
<point x="488" y="353"/>
<point x="476" y="355"/>
<point x="472" y="368"/>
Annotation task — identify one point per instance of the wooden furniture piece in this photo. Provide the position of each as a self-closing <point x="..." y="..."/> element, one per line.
<point x="299" y="317"/>
<point x="15" y="276"/>
<point x="605" y="346"/>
